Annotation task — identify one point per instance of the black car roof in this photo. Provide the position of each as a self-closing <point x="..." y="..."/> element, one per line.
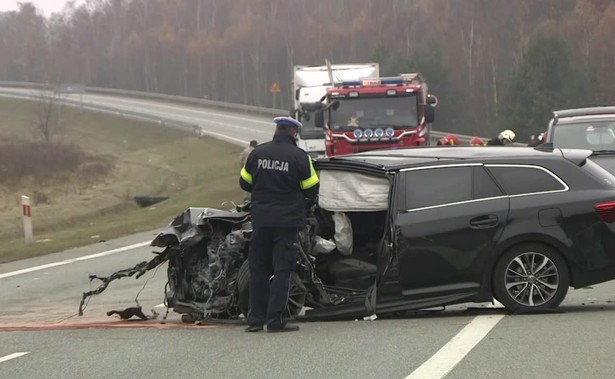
<point x="417" y="156"/>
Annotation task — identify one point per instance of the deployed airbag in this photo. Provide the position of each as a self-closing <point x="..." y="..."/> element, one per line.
<point x="352" y="192"/>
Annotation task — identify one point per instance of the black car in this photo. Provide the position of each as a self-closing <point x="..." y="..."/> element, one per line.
<point x="407" y="229"/>
<point x="585" y="128"/>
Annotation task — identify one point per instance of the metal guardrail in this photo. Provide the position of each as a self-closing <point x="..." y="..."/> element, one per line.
<point x="162" y="121"/>
<point x="158" y="96"/>
<point x="192" y="100"/>
<point x="435" y="135"/>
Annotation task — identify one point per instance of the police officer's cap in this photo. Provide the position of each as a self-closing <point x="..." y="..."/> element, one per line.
<point x="288" y="121"/>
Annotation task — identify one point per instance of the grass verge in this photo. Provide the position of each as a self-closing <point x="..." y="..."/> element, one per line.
<point x="149" y="160"/>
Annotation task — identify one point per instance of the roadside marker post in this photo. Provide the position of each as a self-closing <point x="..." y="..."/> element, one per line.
<point x="27" y="219"/>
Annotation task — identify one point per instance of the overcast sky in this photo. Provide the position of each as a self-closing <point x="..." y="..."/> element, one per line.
<point x="46" y="6"/>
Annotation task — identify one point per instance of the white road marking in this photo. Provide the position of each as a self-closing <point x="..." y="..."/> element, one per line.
<point x="442" y="362"/>
<point x="12" y="356"/>
<point x="160" y="306"/>
<point x="73" y="260"/>
<point x="214" y="134"/>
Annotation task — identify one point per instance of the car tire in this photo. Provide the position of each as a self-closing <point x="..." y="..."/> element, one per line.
<point x="243" y="288"/>
<point x="296" y="300"/>
<point x="531" y="277"/>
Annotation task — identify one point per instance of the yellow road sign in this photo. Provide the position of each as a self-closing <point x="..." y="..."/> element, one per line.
<point x="275" y="88"/>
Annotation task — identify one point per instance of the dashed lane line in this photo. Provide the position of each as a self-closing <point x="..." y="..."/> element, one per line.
<point x="442" y="362"/>
<point x="13" y="356"/>
<point x="73" y="260"/>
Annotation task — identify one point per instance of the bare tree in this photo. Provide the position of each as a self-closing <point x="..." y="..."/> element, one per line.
<point x="48" y="109"/>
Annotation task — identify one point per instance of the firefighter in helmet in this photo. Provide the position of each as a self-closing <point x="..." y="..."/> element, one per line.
<point x="506" y="137"/>
<point x="449" y="140"/>
<point x="477" y="141"/>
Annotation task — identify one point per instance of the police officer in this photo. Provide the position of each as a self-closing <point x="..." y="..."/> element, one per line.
<point x="281" y="178"/>
<point x="243" y="157"/>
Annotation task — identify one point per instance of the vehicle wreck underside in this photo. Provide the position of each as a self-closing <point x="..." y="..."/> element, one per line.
<point x="208" y="276"/>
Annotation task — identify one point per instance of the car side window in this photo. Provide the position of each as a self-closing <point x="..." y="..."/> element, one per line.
<point x="518" y="180"/>
<point x="436" y="186"/>
<point x="483" y="185"/>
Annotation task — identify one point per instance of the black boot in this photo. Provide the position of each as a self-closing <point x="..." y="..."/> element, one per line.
<point x="285" y="328"/>
<point x="254" y="328"/>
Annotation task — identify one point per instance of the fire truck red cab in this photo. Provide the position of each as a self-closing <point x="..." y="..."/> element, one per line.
<point x="378" y="113"/>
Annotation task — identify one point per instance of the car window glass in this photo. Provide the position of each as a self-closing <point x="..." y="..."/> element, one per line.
<point x="517" y="180"/>
<point x="483" y="185"/>
<point x="596" y="135"/>
<point x="438" y="186"/>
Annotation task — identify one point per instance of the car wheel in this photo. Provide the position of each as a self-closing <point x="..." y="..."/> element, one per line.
<point x="296" y="298"/>
<point x="243" y="288"/>
<point x="191" y="318"/>
<point x="531" y="277"/>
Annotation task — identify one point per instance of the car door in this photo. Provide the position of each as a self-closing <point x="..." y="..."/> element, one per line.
<point x="449" y="223"/>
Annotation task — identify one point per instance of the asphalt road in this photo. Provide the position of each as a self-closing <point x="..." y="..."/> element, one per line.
<point x="41" y="335"/>
<point x="38" y="316"/>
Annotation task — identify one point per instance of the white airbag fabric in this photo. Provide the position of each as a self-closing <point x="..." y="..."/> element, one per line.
<point x="352" y="192"/>
<point x="343" y="233"/>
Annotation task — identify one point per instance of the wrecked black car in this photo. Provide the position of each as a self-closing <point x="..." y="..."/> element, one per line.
<point x="400" y="230"/>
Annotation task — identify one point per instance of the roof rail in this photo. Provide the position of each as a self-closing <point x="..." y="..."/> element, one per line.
<point x="411" y="78"/>
<point x="584" y="111"/>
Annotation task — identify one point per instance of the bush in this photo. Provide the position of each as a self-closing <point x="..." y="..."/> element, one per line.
<point x="45" y="161"/>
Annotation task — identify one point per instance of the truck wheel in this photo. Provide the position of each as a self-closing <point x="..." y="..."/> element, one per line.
<point x="530" y="277"/>
<point x="296" y="299"/>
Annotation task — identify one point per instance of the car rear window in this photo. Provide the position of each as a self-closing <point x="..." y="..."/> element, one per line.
<point x="520" y="180"/>
<point x="438" y="186"/>
<point x="484" y="186"/>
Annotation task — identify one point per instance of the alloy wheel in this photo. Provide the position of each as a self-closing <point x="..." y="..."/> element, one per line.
<point x="531" y="279"/>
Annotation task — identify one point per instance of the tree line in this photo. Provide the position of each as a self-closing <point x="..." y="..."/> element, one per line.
<point x="494" y="64"/>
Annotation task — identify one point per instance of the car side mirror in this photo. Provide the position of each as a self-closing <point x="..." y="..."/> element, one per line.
<point x="335" y="104"/>
<point x="430" y="114"/>
<point x="319" y="119"/>
<point x="432" y="100"/>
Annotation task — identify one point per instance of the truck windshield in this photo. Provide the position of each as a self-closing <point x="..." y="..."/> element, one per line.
<point x="370" y="112"/>
<point x="309" y="129"/>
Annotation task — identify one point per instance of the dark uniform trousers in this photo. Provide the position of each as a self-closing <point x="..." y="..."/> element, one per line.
<point x="273" y="252"/>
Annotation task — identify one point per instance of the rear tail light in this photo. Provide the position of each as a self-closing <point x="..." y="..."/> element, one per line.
<point x="606" y="211"/>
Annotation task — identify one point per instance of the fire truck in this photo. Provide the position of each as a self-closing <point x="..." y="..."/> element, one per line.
<point x="378" y="113"/>
<point x="310" y="87"/>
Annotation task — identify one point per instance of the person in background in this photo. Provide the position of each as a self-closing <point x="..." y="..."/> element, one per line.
<point x="477" y="141"/>
<point x="243" y="156"/>
<point x="536" y="140"/>
<point x="283" y="183"/>
<point x="449" y="140"/>
<point x="506" y="137"/>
